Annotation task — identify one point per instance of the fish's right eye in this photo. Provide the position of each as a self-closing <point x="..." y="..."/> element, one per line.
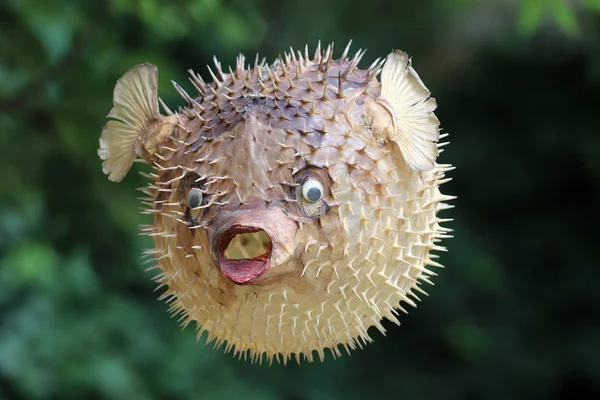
<point x="312" y="190"/>
<point x="194" y="198"/>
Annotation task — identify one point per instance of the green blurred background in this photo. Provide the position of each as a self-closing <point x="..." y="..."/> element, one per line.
<point x="514" y="315"/>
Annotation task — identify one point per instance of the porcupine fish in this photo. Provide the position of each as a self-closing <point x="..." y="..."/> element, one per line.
<point x="295" y="205"/>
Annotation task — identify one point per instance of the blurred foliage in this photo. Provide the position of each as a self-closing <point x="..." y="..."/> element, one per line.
<point x="561" y="12"/>
<point x="515" y="313"/>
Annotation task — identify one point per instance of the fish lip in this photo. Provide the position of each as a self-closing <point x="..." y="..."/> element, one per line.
<point x="242" y="271"/>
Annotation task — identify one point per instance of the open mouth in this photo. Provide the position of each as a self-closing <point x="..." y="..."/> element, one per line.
<point x="244" y="253"/>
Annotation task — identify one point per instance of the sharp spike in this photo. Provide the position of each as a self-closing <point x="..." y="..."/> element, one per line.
<point x="218" y="67"/>
<point x="198" y="81"/>
<point x="214" y="92"/>
<point x="213" y="76"/>
<point x="274" y="78"/>
<point x="182" y="93"/>
<point x="354" y="62"/>
<point x="374" y="64"/>
<point x="346" y="50"/>
<point x="198" y="89"/>
<point x="306" y="56"/>
<point x="356" y="59"/>
<point x="325" y="69"/>
<point x="164" y="106"/>
<point x="256" y="63"/>
<point x="284" y="71"/>
<point x="292" y="84"/>
<point x="239" y="64"/>
<point x="318" y="55"/>
<point x="326" y="59"/>
<point x="199" y="106"/>
<point x="234" y="80"/>
<point x="199" y="117"/>
<point x="325" y="97"/>
<point x="373" y="72"/>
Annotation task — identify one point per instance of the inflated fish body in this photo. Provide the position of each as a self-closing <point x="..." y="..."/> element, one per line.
<point x="294" y="205"/>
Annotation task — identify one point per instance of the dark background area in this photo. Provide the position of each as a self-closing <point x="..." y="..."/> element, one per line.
<point x="515" y="313"/>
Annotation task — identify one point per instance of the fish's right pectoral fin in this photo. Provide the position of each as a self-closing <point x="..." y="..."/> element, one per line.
<point x="135" y="101"/>
<point x="403" y="113"/>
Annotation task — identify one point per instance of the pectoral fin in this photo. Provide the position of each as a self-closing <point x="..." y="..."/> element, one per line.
<point x="403" y="113"/>
<point x="135" y="109"/>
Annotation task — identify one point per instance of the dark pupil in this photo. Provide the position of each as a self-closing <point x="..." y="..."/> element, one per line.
<point x="194" y="201"/>
<point x="313" y="194"/>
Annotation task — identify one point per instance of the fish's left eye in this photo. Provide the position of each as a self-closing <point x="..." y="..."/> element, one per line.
<point x="194" y="198"/>
<point x="312" y="190"/>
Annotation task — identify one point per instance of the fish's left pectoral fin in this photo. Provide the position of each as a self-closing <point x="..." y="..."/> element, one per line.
<point x="403" y="113"/>
<point x="135" y="101"/>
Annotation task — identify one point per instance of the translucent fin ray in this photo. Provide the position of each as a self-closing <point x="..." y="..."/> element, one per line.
<point x="415" y="128"/>
<point x="135" y="102"/>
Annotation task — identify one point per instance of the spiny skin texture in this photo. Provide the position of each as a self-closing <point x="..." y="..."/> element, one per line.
<point x="248" y="142"/>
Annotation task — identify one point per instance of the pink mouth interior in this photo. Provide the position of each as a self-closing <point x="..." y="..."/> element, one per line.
<point x="243" y="270"/>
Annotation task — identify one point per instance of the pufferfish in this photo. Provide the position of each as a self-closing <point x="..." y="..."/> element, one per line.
<point x="294" y="204"/>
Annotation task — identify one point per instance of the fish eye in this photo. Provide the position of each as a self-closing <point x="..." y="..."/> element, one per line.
<point x="194" y="198"/>
<point x="312" y="190"/>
